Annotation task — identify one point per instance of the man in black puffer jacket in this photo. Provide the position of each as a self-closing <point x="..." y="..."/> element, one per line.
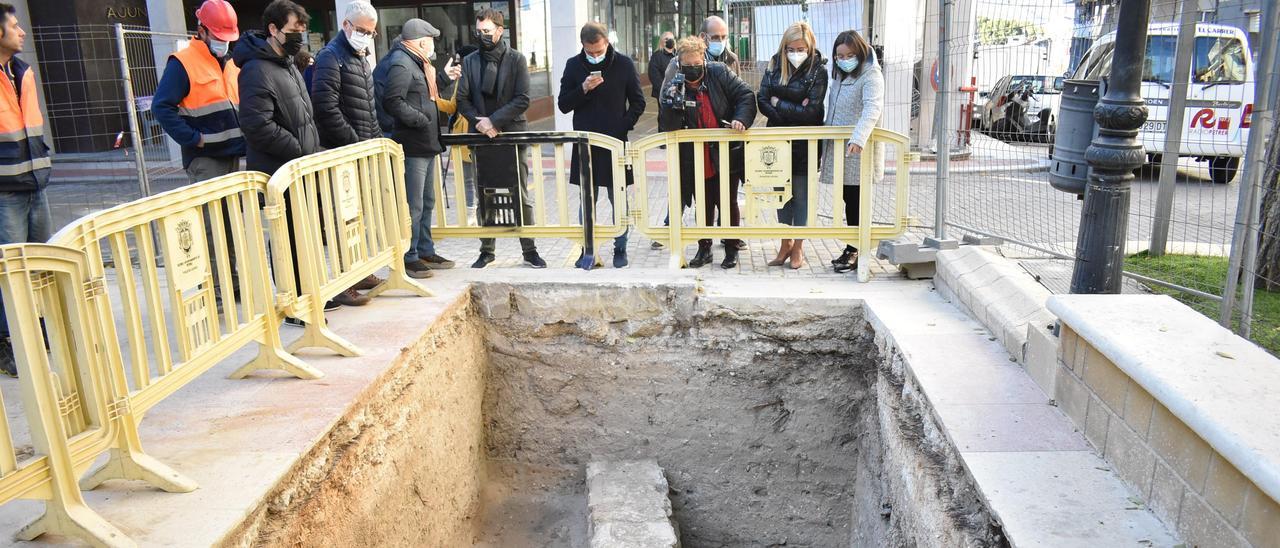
<point x="342" y="87"/>
<point x="275" y="113"/>
<point x="342" y="96"/>
<point x="709" y="96"/>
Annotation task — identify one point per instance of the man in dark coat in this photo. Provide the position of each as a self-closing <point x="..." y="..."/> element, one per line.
<point x="342" y="96"/>
<point x="493" y="95"/>
<point x="407" y="86"/>
<point x="659" y="61"/>
<point x="275" y="113"/>
<point x="602" y="90"/>
<point x="712" y="95"/>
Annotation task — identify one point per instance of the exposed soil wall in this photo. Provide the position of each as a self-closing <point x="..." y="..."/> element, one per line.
<point x="403" y="467"/>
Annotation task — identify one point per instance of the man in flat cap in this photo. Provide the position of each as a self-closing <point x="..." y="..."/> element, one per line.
<point x="407" y="86"/>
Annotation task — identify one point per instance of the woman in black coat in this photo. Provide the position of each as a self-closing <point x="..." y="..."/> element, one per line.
<point x="791" y="94"/>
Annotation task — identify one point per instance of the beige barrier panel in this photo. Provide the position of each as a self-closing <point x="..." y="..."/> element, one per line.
<point x="179" y="305"/>
<point x="70" y="393"/>
<point x="767" y="185"/>
<point x="554" y="217"/>
<point x="350" y="219"/>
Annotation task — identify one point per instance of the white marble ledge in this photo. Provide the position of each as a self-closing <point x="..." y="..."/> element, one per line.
<point x="1225" y="388"/>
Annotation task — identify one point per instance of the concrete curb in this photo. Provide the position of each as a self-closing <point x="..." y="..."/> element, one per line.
<point x="996" y="292"/>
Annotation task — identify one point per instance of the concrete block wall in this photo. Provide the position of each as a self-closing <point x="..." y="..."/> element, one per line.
<point x="1190" y="482"/>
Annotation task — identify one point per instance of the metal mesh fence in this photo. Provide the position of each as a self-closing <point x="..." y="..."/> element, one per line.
<point x="1023" y="60"/>
<point x="96" y="164"/>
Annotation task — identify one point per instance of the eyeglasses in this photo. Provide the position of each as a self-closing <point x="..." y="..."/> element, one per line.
<point x="369" y="33"/>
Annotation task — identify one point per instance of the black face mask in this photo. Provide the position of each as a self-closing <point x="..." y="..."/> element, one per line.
<point x="292" y="43"/>
<point x="670" y="43"/>
<point x="692" y="73"/>
<point x="486" y="41"/>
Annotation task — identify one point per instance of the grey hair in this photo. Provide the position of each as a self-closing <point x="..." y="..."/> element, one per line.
<point x="358" y="9"/>
<point x="706" y="23"/>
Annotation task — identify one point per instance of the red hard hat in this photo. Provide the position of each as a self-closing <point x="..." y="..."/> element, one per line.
<point x="220" y="18"/>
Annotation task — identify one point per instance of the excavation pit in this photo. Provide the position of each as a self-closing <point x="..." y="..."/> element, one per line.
<point x="773" y="420"/>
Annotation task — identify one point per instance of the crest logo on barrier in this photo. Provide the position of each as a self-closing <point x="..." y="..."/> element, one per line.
<point x="348" y="190"/>
<point x="185" y="239"/>
<point x="769" y="156"/>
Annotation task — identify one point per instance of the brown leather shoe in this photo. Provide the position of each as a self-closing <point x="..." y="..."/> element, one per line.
<point x="370" y="282"/>
<point x="351" y="297"/>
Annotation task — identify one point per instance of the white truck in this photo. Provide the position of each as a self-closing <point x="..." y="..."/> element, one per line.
<point x="1219" y="98"/>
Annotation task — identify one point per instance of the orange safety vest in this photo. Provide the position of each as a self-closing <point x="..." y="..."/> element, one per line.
<point x="214" y="97"/>
<point x="24" y="158"/>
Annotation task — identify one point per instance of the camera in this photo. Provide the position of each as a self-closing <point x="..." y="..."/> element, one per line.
<point x="674" y="96"/>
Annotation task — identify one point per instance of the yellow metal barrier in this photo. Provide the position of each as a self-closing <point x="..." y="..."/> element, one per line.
<point x="551" y="218"/>
<point x="72" y="396"/>
<point x="767" y="185"/>
<point x="181" y="307"/>
<point x="347" y="218"/>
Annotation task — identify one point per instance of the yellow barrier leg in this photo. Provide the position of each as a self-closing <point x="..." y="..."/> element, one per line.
<point x="318" y="335"/>
<point x="73" y="518"/>
<point x="133" y="464"/>
<point x="273" y="357"/>
<point x="399" y="279"/>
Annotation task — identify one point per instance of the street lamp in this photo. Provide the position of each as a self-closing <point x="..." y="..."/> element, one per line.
<point x="1112" y="157"/>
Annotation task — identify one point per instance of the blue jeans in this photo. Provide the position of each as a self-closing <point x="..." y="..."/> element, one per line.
<point x="420" y="190"/>
<point x="619" y="242"/>
<point x="796" y="211"/>
<point x="24" y="217"/>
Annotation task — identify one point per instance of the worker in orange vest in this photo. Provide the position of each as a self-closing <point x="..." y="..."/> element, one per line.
<point x="24" y="158"/>
<point x="196" y="102"/>
<point x="197" y="97"/>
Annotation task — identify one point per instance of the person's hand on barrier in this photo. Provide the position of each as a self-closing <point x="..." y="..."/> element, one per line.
<point x="592" y="82"/>
<point x="483" y="125"/>
<point x="853" y="148"/>
<point x="738" y="126"/>
<point x="451" y="70"/>
<point x="774" y="101"/>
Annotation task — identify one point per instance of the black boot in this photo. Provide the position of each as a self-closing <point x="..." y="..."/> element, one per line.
<point x="730" y="255"/>
<point x="849" y="251"/>
<point x="702" y="257"/>
<point x="851" y="263"/>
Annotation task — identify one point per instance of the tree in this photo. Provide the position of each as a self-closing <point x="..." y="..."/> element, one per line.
<point x="1268" y="263"/>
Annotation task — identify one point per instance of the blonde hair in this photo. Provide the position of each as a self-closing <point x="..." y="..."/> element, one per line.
<point x="799" y="30"/>
<point x="691" y="44"/>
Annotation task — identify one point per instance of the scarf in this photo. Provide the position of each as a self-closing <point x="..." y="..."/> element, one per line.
<point x="492" y="59"/>
<point x="427" y="68"/>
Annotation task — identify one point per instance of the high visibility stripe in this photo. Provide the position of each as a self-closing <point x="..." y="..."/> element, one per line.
<point x="9" y="170"/>
<point x="206" y="110"/>
<point x="12" y="136"/>
<point x="222" y="135"/>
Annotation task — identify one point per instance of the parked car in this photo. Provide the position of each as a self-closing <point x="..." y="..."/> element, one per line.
<point x="1219" y="96"/>
<point x="1022" y="106"/>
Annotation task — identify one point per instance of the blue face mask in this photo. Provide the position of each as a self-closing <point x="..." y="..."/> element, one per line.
<point x="847" y="65"/>
<point x="596" y="60"/>
<point x="715" y="48"/>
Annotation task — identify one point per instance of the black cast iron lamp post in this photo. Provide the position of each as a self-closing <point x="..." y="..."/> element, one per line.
<point x="1112" y="157"/>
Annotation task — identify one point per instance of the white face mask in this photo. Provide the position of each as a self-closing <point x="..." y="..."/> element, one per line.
<point x="360" y="41"/>
<point x="797" y="58"/>
<point x="218" y="48"/>
<point x="428" y="46"/>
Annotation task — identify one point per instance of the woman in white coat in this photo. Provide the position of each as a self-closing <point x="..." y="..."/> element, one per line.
<point x="856" y="98"/>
